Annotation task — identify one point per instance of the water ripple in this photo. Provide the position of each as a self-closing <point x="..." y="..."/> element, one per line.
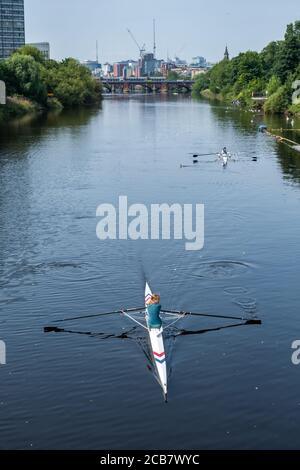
<point x="221" y="269"/>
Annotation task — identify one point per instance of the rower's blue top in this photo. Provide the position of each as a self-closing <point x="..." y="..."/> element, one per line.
<point x="154" y="319"/>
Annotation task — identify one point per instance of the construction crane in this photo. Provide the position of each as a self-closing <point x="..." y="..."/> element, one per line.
<point x="154" y="38"/>
<point x="141" y="49"/>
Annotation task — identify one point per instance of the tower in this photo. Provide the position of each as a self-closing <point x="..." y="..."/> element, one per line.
<point x="226" y="55"/>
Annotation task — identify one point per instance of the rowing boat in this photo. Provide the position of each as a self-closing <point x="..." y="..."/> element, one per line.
<point x="157" y="346"/>
<point x="156" y="335"/>
<point x="225" y="157"/>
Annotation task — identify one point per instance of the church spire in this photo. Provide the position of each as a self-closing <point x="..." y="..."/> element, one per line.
<point x="226" y="55"/>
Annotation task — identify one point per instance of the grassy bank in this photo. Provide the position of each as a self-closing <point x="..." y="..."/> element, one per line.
<point x="17" y="106"/>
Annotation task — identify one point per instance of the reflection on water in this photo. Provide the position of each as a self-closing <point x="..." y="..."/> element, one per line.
<point x="70" y="390"/>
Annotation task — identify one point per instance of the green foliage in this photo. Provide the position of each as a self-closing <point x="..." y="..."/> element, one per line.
<point x="273" y="85"/>
<point x="272" y="71"/>
<point x="23" y="77"/>
<point x="220" y="77"/>
<point x="16" y="107"/>
<point x="294" y="109"/>
<point x="71" y="83"/>
<point x="248" y="65"/>
<point x="173" y="75"/>
<point x="278" y="102"/>
<point x="32" y="52"/>
<point x="202" y="83"/>
<point x="289" y="55"/>
<point x="65" y="83"/>
<point x="269" y="57"/>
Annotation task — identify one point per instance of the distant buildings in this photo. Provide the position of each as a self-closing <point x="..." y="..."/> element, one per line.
<point x="120" y="69"/>
<point x="43" y="47"/>
<point x="107" y="70"/>
<point x="12" y="27"/>
<point x="199" y="62"/>
<point x="93" y="66"/>
<point x="180" y="62"/>
<point x="148" y="65"/>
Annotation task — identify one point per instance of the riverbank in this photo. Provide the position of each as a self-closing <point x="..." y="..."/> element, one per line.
<point x="267" y="80"/>
<point x="34" y="83"/>
<point x="292" y="110"/>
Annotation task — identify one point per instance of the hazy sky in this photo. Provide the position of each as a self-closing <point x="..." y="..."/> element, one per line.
<point x="184" y="28"/>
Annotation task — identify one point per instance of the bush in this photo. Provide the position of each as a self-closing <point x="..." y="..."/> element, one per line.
<point x="23" y="77"/>
<point x="66" y="83"/>
<point x="17" y="106"/>
<point x="295" y="109"/>
<point x="278" y="102"/>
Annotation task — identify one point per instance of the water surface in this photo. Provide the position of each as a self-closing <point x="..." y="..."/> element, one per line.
<point x="229" y="388"/>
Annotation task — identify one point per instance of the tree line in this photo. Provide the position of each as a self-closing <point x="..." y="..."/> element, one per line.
<point x="48" y="83"/>
<point x="270" y="73"/>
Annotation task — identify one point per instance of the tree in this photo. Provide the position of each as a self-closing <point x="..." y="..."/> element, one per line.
<point x="273" y="85"/>
<point x="32" y="52"/>
<point x="247" y="66"/>
<point x="269" y="57"/>
<point x="289" y="55"/>
<point x="173" y="75"/>
<point x="71" y="83"/>
<point x="278" y="102"/>
<point x="220" y="76"/>
<point x="202" y="83"/>
<point x="24" y="77"/>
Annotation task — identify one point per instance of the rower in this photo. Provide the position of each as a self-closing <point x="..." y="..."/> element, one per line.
<point x="224" y="151"/>
<point x="153" y="310"/>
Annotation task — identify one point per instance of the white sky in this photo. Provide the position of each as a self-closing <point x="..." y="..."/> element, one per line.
<point x="187" y="29"/>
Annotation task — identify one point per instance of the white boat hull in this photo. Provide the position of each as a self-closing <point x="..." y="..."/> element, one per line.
<point x="157" y="347"/>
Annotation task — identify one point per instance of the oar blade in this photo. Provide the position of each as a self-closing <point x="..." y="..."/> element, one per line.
<point x="53" y="329"/>
<point x="203" y="154"/>
<point x="253" y="322"/>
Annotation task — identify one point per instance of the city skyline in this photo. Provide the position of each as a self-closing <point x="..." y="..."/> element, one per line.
<point x="180" y="31"/>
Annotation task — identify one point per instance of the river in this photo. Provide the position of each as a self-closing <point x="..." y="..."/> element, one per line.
<point x="229" y="388"/>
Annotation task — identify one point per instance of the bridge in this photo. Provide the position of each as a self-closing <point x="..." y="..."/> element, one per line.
<point x="259" y="97"/>
<point x="146" y="85"/>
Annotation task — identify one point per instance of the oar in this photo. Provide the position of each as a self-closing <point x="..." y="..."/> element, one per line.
<point x="203" y="154"/>
<point x="101" y="314"/>
<point x="208" y="330"/>
<point x="249" y="321"/>
<point x="124" y="335"/>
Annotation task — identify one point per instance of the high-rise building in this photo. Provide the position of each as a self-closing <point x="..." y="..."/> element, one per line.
<point x="107" y="69"/>
<point x="199" y="61"/>
<point x="148" y="65"/>
<point x="12" y="26"/>
<point x="93" y="66"/>
<point x="43" y="47"/>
